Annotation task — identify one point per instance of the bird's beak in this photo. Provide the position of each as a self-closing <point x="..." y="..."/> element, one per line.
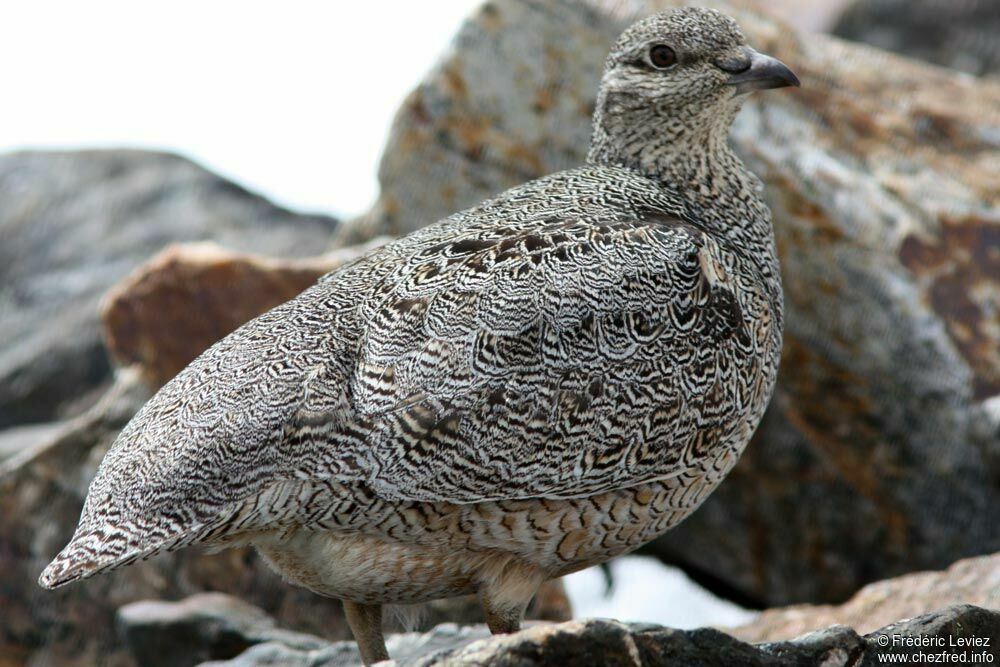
<point x="764" y="72"/>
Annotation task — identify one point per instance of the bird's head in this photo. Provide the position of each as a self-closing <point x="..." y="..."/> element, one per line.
<point x="680" y="76"/>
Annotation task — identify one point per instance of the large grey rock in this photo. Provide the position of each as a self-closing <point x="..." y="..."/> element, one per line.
<point x="882" y="175"/>
<point x="954" y="631"/>
<point x="961" y="34"/>
<point x="73" y="224"/>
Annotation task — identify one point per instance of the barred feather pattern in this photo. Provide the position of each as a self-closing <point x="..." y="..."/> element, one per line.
<point x="543" y="382"/>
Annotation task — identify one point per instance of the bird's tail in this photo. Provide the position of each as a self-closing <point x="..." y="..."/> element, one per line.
<point x="96" y="550"/>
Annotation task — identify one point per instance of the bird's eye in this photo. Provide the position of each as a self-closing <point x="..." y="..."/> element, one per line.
<point x="662" y="56"/>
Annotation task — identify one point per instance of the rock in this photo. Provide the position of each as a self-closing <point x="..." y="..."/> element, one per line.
<point x="961" y="35"/>
<point x="404" y="648"/>
<point x="605" y="642"/>
<point x="815" y="15"/>
<point x="881" y="173"/>
<point x="602" y="642"/>
<point x="217" y="629"/>
<point x="973" y="581"/>
<point x="17" y="439"/>
<point x="173" y="307"/>
<point x="275" y="654"/>
<point x="206" y="626"/>
<point x="963" y="631"/>
<point x="72" y="224"/>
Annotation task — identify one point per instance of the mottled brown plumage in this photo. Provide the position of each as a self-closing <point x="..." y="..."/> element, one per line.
<point x="524" y="389"/>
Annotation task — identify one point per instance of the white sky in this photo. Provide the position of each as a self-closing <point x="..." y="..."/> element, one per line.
<point x="646" y="590"/>
<point x="292" y="99"/>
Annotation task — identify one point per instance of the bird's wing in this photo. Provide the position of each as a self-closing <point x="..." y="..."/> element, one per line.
<point x="556" y="359"/>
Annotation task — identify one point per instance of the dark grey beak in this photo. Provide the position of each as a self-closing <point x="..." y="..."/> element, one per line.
<point x="760" y="72"/>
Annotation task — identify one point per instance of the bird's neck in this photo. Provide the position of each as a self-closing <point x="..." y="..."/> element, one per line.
<point x="693" y="162"/>
<point x="691" y="157"/>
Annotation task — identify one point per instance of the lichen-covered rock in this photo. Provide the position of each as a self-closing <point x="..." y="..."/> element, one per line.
<point x="961" y="34"/>
<point x="974" y="581"/>
<point x="882" y="175"/>
<point x="71" y="225"/>
<point x="953" y="631"/>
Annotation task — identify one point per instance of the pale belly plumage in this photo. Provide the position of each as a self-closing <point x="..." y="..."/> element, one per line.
<point x="425" y="551"/>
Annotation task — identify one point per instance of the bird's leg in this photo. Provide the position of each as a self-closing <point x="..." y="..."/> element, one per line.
<point x="503" y="619"/>
<point x="506" y="598"/>
<point x="366" y="624"/>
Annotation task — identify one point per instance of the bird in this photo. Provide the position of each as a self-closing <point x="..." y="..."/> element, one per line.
<point x="524" y="389"/>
